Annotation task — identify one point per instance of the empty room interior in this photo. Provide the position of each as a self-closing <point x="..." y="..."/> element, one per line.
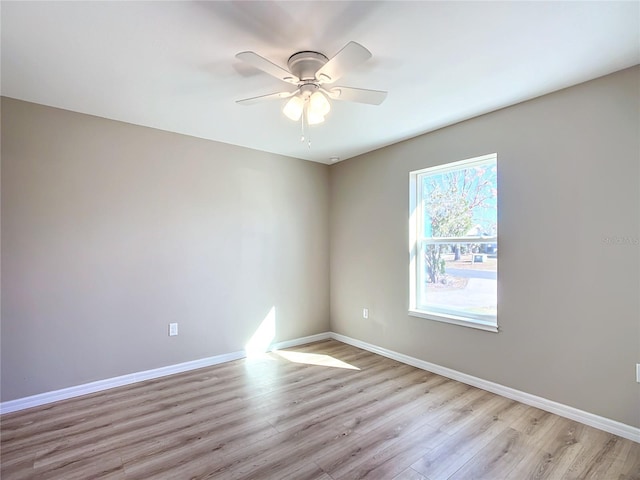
<point x="320" y="240"/>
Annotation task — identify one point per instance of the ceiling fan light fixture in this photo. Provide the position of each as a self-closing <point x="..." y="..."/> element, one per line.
<point x="314" y="118"/>
<point x="318" y="104"/>
<point x="293" y="108"/>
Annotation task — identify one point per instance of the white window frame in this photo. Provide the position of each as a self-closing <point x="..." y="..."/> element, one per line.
<point x="482" y="322"/>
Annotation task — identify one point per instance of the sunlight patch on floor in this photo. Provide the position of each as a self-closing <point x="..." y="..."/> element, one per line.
<point x="314" y="359"/>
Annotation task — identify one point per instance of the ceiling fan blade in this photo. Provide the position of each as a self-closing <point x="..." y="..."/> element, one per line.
<point x="360" y="95"/>
<point x="267" y="66"/>
<point x="270" y="96"/>
<point x="351" y="55"/>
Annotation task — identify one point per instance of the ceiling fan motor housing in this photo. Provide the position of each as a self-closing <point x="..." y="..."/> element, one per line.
<point x="304" y="65"/>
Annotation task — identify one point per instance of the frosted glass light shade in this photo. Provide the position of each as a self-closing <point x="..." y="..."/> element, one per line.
<point x="293" y="108"/>
<point x="313" y="118"/>
<point x="318" y="104"/>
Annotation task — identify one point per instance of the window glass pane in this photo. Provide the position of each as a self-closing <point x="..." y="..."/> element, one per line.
<point x="459" y="279"/>
<point x="456" y="245"/>
<point x="460" y="202"/>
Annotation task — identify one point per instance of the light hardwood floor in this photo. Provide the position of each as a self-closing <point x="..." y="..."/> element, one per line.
<point x="356" y="415"/>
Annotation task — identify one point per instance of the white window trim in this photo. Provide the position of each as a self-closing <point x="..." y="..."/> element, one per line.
<point x="454" y="320"/>
<point x="414" y="241"/>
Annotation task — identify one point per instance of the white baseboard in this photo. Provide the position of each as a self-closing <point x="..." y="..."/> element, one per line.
<point x="301" y="341"/>
<point x="596" y="421"/>
<point x="100" y="385"/>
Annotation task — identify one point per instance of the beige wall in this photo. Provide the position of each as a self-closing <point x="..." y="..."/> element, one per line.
<point x="110" y="231"/>
<point x="569" y="308"/>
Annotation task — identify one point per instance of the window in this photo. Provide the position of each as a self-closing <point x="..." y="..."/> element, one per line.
<point x="453" y="232"/>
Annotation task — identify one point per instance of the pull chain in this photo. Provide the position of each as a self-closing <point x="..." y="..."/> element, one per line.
<point x="305" y="114"/>
<point x="302" y="125"/>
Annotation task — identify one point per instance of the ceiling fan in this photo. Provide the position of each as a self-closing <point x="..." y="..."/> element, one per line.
<point x="312" y="75"/>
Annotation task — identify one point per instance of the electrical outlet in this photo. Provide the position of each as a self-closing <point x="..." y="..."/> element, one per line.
<point x="638" y="372"/>
<point x="365" y="313"/>
<point x="173" y="329"/>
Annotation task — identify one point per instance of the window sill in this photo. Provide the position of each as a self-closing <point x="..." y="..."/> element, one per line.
<point x="455" y="320"/>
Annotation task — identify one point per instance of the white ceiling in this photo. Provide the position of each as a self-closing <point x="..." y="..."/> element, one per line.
<point x="172" y="65"/>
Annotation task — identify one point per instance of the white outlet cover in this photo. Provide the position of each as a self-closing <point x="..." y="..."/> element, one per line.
<point x="638" y="372"/>
<point x="365" y="313"/>
<point x="173" y="329"/>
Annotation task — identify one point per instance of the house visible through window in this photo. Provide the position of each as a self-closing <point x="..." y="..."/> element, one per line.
<point x="454" y="242"/>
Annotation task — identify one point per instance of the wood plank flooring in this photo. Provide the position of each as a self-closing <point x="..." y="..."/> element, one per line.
<point x="344" y="414"/>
